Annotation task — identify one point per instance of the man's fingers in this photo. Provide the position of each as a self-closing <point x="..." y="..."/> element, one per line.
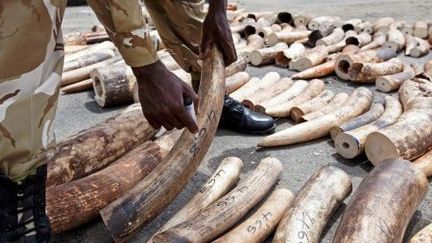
<point x="186" y="119"/>
<point x="189" y="92"/>
<point x="153" y="123"/>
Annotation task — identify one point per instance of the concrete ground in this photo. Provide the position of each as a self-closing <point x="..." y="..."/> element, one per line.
<point x="79" y="111"/>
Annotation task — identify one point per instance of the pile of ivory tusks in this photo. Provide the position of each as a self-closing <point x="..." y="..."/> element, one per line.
<point x="120" y="173"/>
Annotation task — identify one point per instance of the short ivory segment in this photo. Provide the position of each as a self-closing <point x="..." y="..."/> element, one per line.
<point x="223" y="179"/>
<point x="380" y="211"/>
<point x="263" y="222"/>
<point x="228" y="210"/>
<point x="351" y="143"/>
<point x="307" y="215"/>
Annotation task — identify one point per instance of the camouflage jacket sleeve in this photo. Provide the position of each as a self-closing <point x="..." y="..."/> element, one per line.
<point x="125" y="24"/>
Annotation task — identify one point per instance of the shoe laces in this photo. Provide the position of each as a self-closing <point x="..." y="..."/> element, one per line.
<point x="233" y="104"/>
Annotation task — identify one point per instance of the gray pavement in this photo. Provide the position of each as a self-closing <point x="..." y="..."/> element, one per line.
<point x="79" y="111"/>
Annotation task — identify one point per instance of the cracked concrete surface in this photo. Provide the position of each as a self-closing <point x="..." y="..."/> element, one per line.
<point x="299" y="161"/>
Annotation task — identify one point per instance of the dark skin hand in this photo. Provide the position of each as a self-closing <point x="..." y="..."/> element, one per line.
<point x="161" y="92"/>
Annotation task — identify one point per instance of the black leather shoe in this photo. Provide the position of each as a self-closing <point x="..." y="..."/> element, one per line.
<point x="22" y="209"/>
<point x="240" y="119"/>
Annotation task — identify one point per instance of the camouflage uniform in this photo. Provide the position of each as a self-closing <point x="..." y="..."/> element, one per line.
<point x="31" y="60"/>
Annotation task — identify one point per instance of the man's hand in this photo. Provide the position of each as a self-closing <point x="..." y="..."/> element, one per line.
<point x="216" y="31"/>
<point x="161" y="96"/>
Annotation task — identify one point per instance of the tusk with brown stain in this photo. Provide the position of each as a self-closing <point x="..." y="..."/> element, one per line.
<point x="311" y="105"/>
<point x="283" y="58"/>
<point x="344" y="62"/>
<point x="269" y="214"/>
<point x="338" y="101"/>
<point x="392" y="82"/>
<point x="236" y="81"/>
<point x="383" y="204"/>
<point x="359" y="102"/>
<point x="266" y="55"/>
<point x="408" y="138"/>
<point x="74" y="203"/>
<point x="255" y="87"/>
<point x="395" y="40"/>
<point x="96" y="147"/>
<point x="421" y="29"/>
<point x="324" y="69"/>
<point x="379" y="39"/>
<point x="369" y="72"/>
<point x="229" y="209"/>
<point x="313" y="206"/>
<point x="296" y="89"/>
<point x="279" y="87"/>
<point x="224" y="178"/>
<point x="147" y="199"/>
<point x="364" y="27"/>
<point x="375" y="111"/>
<point x="287" y="37"/>
<point x="351" y="143"/>
<point x="337" y="35"/>
<point x="423" y="236"/>
<point x="310" y="59"/>
<point x="283" y="109"/>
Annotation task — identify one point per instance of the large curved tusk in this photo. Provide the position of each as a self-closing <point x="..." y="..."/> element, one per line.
<point x="147" y="199"/>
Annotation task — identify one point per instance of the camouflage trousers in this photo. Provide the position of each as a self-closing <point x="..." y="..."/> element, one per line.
<point x="31" y="61"/>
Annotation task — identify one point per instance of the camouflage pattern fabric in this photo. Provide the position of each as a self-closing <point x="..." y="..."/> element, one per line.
<point x="31" y="61"/>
